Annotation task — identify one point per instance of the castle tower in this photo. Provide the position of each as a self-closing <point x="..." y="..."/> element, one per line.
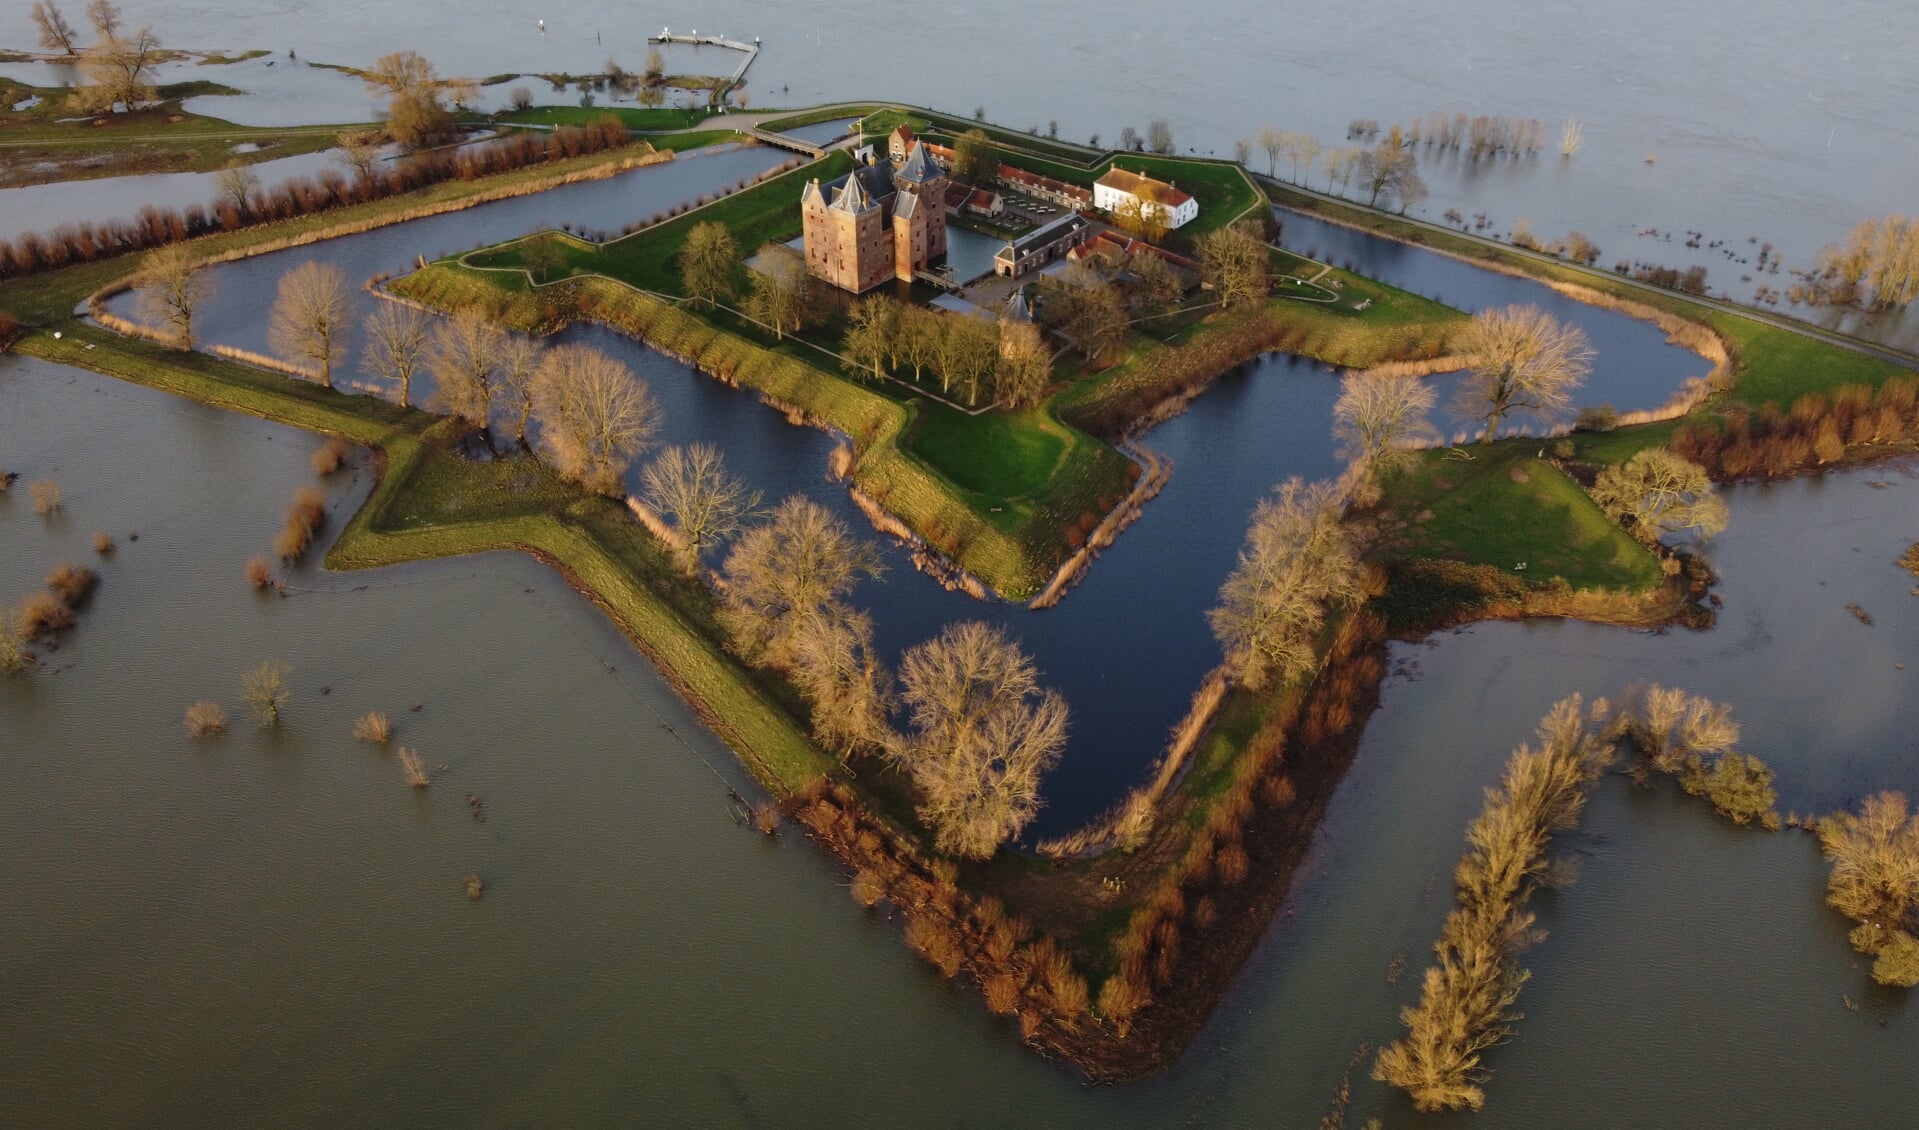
<point x="919" y="213"/>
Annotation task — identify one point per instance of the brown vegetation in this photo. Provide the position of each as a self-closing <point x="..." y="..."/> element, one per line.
<point x="1466" y="1000"/>
<point x="1875" y="882"/>
<point x="15" y="654"/>
<point x="205" y="719"/>
<point x="264" y="691"/>
<point x="259" y="572"/>
<point x="1818" y="430"/>
<point x="304" y="517"/>
<point x="153" y="227"/>
<point x="42" y="615"/>
<point x="71" y="583"/>
<point x="374" y="727"/>
<point x="329" y="456"/>
<point x="46" y="496"/>
<point x="413" y="767"/>
<point x="102" y="543"/>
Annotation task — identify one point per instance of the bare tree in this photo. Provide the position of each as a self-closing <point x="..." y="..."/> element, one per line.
<point x="872" y="329"/>
<point x="56" y="34"/>
<point x="595" y="415"/>
<point x="1025" y="365"/>
<point x="1242" y="152"/>
<point x="464" y="358"/>
<point x="1235" y="261"/>
<point x="691" y="486"/>
<point x="104" y="15"/>
<point x="1523" y="360"/>
<point x="973" y="157"/>
<point x="849" y="688"/>
<point x="310" y="318"/>
<point x="541" y="256"/>
<point x="1273" y="142"/>
<point x="396" y="342"/>
<point x="1086" y="308"/>
<point x="1389" y="171"/>
<point x="519" y="363"/>
<point x="709" y="262"/>
<point x="783" y="574"/>
<point x="119" y="70"/>
<point x="264" y="691"/>
<point x="1129" y="139"/>
<point x="237" y="183"/>
<point x="1159" y="136"/>
<point x="1658" y="492"/>
<point x="1377" y="420"/>
<point x="172" y="286"/>
<point x="779" y="293"/>
<point x="1298" y="560"/>
<point x="359" y="150"/>
<point x="415" y="115"/>
<point x="1158" y="289"/>
<point x="15" y="651"/>
<point x="983" y="734"/>
<point x="1877" y="267"/>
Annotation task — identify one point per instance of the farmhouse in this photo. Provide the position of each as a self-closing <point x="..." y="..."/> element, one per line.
<point x="1119" y="189"/>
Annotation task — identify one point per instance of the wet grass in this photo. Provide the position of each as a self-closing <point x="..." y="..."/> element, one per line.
<point x="1502" y="506"/>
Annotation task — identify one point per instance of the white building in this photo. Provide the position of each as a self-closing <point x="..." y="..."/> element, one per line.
<point x="1118" y="187"/>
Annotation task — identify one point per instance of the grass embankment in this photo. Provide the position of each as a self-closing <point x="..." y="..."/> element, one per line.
<point x="1395" y="325"/>
<point x="822" y="114"/>
<point x="639" y="118"/>
<point x="1772" y="363"/>
<point x="41" y="147"/>
<point x="1502" y="507"/>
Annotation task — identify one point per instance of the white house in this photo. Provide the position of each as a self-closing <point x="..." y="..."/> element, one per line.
<point x="1118" y="187"/>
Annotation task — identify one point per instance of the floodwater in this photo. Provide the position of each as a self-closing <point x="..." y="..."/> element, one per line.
<point x="1788" y="124"/>
<point x="44" y="207"/>
<point x="270" y="927"/>
<point x="1130" y="643"/>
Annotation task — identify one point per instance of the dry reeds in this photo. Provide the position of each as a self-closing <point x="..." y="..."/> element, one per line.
<point x="42" y="614"/>
<point x="71" y="583"/>
<point x="259" y="572"/>
<point x="205" y="719"/>
<point x="868" y="889"/>
<point x="102" y="543"/>
<point x="1121" y="998"/>
<point x="330" y="456"/>
<point x="303" y="519"/>
<point x="933" y="940"/>
<point x="1819" y="430"/>
<point x="1002" y="994"/>
<point x="373" y="727"/>
<point x="46" y="496"/>
<point x="413" y="767"/>
<point x="15" y="655"/>
<point x="474" y="887"/>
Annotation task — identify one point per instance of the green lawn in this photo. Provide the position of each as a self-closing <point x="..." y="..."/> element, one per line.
<point x="815" y="117"/>
<point x="1010" y="454"/>
<point x="1500" y="505"/>
<point x="635" y="117"/>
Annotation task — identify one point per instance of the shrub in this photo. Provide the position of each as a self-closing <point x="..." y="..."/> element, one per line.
<point x="935" y="942"/>
<point x="373" y="726"/>
<point x="43" y="614"/>
<point x="1596" y="418"/>
<point x="1002" y="994"/>
<point x="259" y="572"/>
<point x="46" y="496"/>
<point x="102" y="543"/>
<point x="1121" y="998"/>
<point x="474" y="887"/>
<point x="330" y="456"/>
<point x="1898" y="961"/>
<point x="71" y="583"/>
<point x="1233" y="864"/>
<point x="1738" y="785"/>
<point x="415" y="770"/>
<point x="14" y="652"/>
<point x="867" y="888"/>
<point x="205" y="719"/>
<point x="264" y="690"/>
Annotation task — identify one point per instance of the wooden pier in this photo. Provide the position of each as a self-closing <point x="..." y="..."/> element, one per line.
<point x="695" y="39"/>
